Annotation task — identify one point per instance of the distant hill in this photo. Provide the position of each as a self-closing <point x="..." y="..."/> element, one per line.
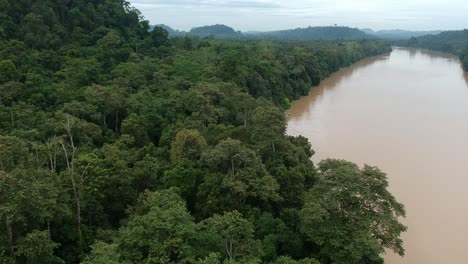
<point x="172" y="32"/>
<point x="399" y="34"/>
<point x="219" y="31"/>
<point x="449" y="41"/>
<point x="327" y="33"/>
<point x="317" y="33"/>
<point x="298" y="34"/>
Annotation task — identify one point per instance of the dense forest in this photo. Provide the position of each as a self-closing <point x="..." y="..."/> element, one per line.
<point x="220" y="31"/>
<point x="120" y="145"/>
<point x="324" y="33"/>
<point x="397" y="34"/>
<point x="317" y="33"/>
<point x="455" y="42"/>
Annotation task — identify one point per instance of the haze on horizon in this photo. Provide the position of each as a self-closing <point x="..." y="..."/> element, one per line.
<point x="264" y="15"/>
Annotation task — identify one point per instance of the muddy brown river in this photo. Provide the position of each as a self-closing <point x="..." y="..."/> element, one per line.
<point x="407" y="113"/>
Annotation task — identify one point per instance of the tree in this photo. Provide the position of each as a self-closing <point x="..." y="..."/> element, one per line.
<point x="8" y="26"/>
<point x="8" y="72"/>
<point x="110" y="41"/>
<point x="11" y="92"/>
<point x="288" y="260"/>
<point x="13" y="153"/>
<point x="464" y="59"/>
<point x="31" y="198"/>
<point x="237" y="235"/>
<point x="36" y="32"/>
<point x="110" y="102"/>
<point x="136" y="126"/>
<point x="244" y="106"/>
<point x="36" y="248"/>
<point x="185" y="177"/>
<point x="269" y="125"/>
<point x="159" y="230"/>
<point x="205" y="103"/>
<point x="351" y="215"/>
<point x="159" y="36"/>
<point x="76" y="178"/>
<point x="245" y="175"/>
<point x="79" y="72"/>
<point x="188" y="144"/>
<point x="103" y="253"/>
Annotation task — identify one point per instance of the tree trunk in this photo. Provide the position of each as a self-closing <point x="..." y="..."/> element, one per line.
<point x="232" y="167"/>
<point x="116" y="121"/>
<point x="246" y="114"/>
<point x="12" y="119"/>
<point x="230" y="248"/>
<point x="78" y="221"/>
<point x="9" y="229"/>
<point x="228" y="245"/>
<point x="70" y="159"/>
<point x="48" y="229"/>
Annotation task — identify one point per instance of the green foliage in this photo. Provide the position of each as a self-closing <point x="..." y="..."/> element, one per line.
<point x="159" y="230"/>
<point x="350" y="214"/>
<point x="318" y="33"/>
<point x="266" y="132"/>
<point x="236" y="236"/>
<point x="455" y="42"/>
<point x="188" y="144"/>
<point x="447" y="41"/>
<point x="8" y="71"/>
<point x="159" y="36"/>
<point x="245" y="175"/>
<point x="119" y="145"/>
<point x="36" y="248"/>
<point x="464" y="59"/>
<point x="80" y="72"/>
<point x="102" y="253"/>
<point x="220" y="31"/>
<point x="288" y="260"/>
<point x="136" y="126"/>
<point x="13" y="153"/>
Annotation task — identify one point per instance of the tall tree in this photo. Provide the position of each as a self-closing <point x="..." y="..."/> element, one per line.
<point x="351" y="215"/>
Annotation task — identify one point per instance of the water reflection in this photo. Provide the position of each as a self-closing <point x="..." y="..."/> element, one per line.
<point x="408" y="114"/>
<point x="301" y="107"/>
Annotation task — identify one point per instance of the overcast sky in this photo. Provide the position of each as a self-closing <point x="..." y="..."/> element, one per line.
<point x="265" y="15"/>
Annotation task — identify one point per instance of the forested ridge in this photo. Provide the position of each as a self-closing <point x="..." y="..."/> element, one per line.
<point x="322" y="33"/>
<point x="120" y="145"/>
<point x="455" y="42"/>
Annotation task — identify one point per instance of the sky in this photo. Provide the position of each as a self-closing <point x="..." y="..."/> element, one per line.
<point x="265" y="15"/>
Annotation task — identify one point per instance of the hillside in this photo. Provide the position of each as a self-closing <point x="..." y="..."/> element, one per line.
<point x="218" y="31"/>
<point x="172" y="32"/>
<point x="449" y="41"/>
<point x="48" y="23"/>
<point x="317" y="33"/>
<point x="121" y="145"/>
<point x="397" y="34"/>
<point x="298" y="34"/>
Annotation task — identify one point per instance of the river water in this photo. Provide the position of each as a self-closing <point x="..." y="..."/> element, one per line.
<point x="407" y="113"/>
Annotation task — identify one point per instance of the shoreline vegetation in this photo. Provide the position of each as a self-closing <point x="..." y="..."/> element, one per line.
<point x="121" y="145"/>
<point x="455" y="42"/>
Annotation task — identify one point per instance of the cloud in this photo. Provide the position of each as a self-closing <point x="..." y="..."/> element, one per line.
<point x="282" y="14"/>
<point x="208" y="3"/>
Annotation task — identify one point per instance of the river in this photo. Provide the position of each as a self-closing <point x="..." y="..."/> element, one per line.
<point x="407" y="113"/>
